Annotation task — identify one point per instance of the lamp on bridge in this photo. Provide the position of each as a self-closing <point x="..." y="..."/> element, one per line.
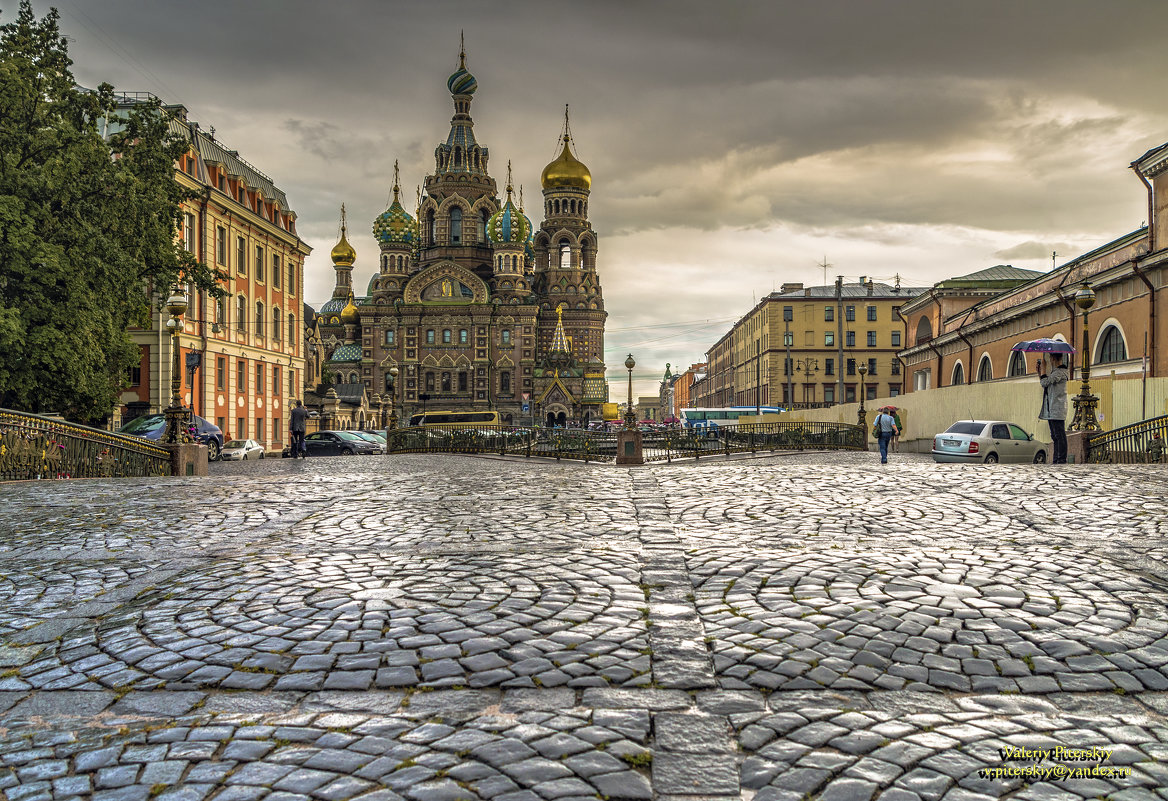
<point x="863" y="416"/>
<point x="1085" y="402"/>
<point x="177" y="416"/>
<point x="630" y="412"/>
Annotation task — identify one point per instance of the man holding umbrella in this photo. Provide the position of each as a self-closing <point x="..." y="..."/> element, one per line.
<point x="1054" y="391"/>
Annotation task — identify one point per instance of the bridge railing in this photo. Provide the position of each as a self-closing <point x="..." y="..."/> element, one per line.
<point x="36" y="447"/>
<point x="601" y="446"/>
<point x="1138" y="443"/>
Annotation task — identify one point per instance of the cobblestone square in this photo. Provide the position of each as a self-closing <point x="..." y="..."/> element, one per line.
<point x="445" y="627"/>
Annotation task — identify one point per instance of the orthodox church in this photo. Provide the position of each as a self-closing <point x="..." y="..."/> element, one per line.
<point x="477" y="308"/>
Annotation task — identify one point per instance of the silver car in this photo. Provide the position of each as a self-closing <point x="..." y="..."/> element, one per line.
<point x="987" y="441"/>
<point x="240" y="449"/>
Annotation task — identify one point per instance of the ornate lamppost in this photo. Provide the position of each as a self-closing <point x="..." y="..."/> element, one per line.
<point x="808" y="367"/>
<point x="863" y="417"/>
<point x="177" y="416"/>
<point x="1085" y="402"/>
<point x="393" y="373"/>
<point x="630" y="412"/>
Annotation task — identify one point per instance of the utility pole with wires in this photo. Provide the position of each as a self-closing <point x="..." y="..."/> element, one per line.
<point x="824" y="265"/>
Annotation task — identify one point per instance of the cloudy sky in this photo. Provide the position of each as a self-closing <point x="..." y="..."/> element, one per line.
<point x="733" y="145"/>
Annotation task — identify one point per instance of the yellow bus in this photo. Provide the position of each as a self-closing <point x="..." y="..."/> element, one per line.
<point x="454" y="419"/>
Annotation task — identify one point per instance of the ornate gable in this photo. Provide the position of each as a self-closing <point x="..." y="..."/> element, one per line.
<point x="446" y="283"/>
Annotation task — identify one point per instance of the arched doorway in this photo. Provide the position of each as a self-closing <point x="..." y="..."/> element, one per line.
<point x="551" y="420"/>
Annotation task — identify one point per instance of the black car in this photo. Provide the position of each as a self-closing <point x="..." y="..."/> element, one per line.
<point x="153" y="427"/>
<point x="337" y="443"/>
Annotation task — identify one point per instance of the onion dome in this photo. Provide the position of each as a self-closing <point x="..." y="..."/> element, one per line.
<point x="462" y="82"/>
<point x="566" y="171"/>
<point x="342" y="252"/>
<point x="508" y="225"/>
<point x="395" y="225"/>
<point x="349" y="314"/>
<point x="332" y="307"/>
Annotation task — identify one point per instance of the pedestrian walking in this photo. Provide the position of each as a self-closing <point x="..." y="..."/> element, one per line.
<point x="884" y="427"/>
<point x="299" y="427"/>
<point x="899" y="428"/>
<point x="1054" y="404"/>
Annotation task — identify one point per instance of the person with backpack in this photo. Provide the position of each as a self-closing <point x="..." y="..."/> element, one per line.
<point x="884" y="429"/>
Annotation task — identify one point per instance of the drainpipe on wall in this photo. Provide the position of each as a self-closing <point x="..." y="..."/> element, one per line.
<point x="904" y="321"/>
<point x="940" y="360"/>
<point x="1058" y="290"/>
<point x="1140" y="273"/>
<point x="971" y="377"/>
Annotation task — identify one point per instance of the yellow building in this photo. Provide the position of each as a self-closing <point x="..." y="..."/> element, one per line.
<point x="806" y="346"/>
<point x="242" y="359"/>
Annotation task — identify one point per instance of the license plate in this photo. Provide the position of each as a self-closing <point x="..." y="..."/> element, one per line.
<point x="951" y="443"/>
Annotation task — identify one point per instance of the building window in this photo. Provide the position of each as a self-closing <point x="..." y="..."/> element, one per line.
<point x="896" y="339"/>
<point x="276" y="272"/>
<point x="241" y="313"/>
<point x="259" y="318"/>
<point x="829" y="394"/>
<point x="221" y="373"/>
<point x="871" y="314"/>
<point x="788" y="314"/>
<point x="871" y="339"/>
<point x="895" y="366"/>
<point x="241" y="376"/>
<point x="985" y="370"/>
<point x="446" y="337"/>
<point x="850" y="313"/>
<point x="429" y="382"/>
<point x="240" y="255"/>
<point x="430" y="336"/>
<point x="1112" y="347"/>
<point x="455" y="226"/>
<point x="221" y="245"/>
<point x="893" y="390"/>
<point x="828" y="338"/>
<point x="463" y="336"/>
<point x="829" y="314"/>
<point x="871" y="367"/>
<point x="895" y="313"/>
<point x="829" y="366"/>
<point x="189" y="232"/>
<point x="260" y="429"/>
<point x="259" y="387"/>
<point x="505" y="382"/>
<point x="851" y="366"/>
<point x="849" y="394"/>
<point x="221" y="311"/>
<point x="446" y="382"/>
<point x="292" y="330"/>
<point x="276" y="320"/>
<point x="506" y="336"/>
<point x="850" y="339"/>
<point x="275" y="379"/>
<point x="1017" y="364"/>
<point x="241" y="424"/>
<point x="134" y="375"/>
<point x="389" y="337"/>
<point x="462" y="386"/>
<point x="958" y="375"/>
<point x="259" y="263"/>
<point x="870" y="391"/>
<point x="292" y="276"/>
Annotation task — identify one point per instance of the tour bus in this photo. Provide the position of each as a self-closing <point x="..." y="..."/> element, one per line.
<point x="721" y="418"/>
<point x="455" y="419"/>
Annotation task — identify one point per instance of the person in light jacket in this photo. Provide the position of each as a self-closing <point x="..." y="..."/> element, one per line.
<point x="1054" y="404"/>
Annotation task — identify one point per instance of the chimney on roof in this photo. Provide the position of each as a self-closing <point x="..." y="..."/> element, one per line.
<point x="871" y="286"/>
<point x="790" y="287"/>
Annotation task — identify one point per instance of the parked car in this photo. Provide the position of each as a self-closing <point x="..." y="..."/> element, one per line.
<point x="374" y="437"/>
<point x="339" y="443"/>
<point x="153" y="427"/>
<point x="987" y="441"/>
<point x="242" y="449"/>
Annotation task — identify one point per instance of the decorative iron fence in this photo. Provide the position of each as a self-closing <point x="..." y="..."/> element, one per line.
<point x="35" y="447"/>
<point x="600" y="446"/>
<point x="1138" y="443"/>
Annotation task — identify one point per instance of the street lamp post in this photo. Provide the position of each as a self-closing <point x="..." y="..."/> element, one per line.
<point x="1085" y="402"/>
<point x="788" y="340"/>
<point x="808" y="367"/>
<point x="176" y="415"/>
<point x="630" y="412"/>
<point x="393" y="373"/>
<point x="863" y="416"/>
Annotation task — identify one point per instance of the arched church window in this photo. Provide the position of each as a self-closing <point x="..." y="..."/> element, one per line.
<point x="565" y="256"/>
<point x="446" y="382"/>
<point x="985" y="370"/>
<point x="1112" y="347"/>
<point x="1017" y="364"/>
<point x="458" y="157"/>
<point x="958" y="375"/>
<point x="429" y="382"/>
<point x="431" y="227"/>
<point x="455" y="225"/>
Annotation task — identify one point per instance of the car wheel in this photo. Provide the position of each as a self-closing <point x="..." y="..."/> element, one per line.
<point x="261" y="454"/>
<point x="346" y="451"/>
<point x="1040" y="457"/>
<point x="991" y="458"/>
<point x="213" y="451"/>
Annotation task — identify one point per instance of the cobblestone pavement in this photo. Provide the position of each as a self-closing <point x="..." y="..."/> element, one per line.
<point x="436" y="628"/>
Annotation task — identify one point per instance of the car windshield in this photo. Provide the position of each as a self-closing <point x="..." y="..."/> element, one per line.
<point x="144" y="424"/>
<point x="236" y="443"/>
<point x="969" y="427"/>
<point x="350" y="436"/>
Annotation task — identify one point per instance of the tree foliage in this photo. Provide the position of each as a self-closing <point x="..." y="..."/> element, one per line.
<point x="88" y="225"/>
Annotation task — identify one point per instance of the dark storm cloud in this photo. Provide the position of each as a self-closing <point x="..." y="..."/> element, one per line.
<point x="732" y="145"/>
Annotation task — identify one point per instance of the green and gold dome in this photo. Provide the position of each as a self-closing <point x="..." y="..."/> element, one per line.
<point x="395" y="225"/>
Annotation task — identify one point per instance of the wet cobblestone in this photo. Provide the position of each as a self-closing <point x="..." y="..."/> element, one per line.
<point x="423" y="628"/>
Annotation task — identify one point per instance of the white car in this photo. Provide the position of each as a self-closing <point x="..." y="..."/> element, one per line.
<point x="987" y="441"/>
<point x="239" y="449"/>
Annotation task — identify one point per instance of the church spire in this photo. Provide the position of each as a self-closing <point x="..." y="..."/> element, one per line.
<point x="559" y="338"/>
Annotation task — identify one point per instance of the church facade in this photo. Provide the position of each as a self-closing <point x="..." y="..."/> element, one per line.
<point x="476" y="308"/>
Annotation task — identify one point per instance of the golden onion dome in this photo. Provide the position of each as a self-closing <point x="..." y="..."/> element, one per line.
<point x="349" y="314"/>
<point x="343" y="252"/>
<point x="566" y="171"/>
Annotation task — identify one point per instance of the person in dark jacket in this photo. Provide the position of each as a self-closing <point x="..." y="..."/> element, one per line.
<point x="299" y="427"/>
<point x="1054" y="404"/>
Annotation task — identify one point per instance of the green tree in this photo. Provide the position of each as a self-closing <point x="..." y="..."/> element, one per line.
<point x="88" y="227"/>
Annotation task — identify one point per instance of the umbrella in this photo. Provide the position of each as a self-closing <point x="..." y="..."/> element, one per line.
<point x="1043" y="346"/>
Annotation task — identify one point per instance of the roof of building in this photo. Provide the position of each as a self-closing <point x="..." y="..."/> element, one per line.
<point x="349" y="352"/>
<point x="350" y="393"/>
<point x="999" y="276"/>
<point x="850" y="291"/>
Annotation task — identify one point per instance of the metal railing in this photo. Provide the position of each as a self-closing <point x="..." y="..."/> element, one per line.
<point x="601" y="446"/>
<point x="1138" y="443"/>
<point x="36" y="447"/>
